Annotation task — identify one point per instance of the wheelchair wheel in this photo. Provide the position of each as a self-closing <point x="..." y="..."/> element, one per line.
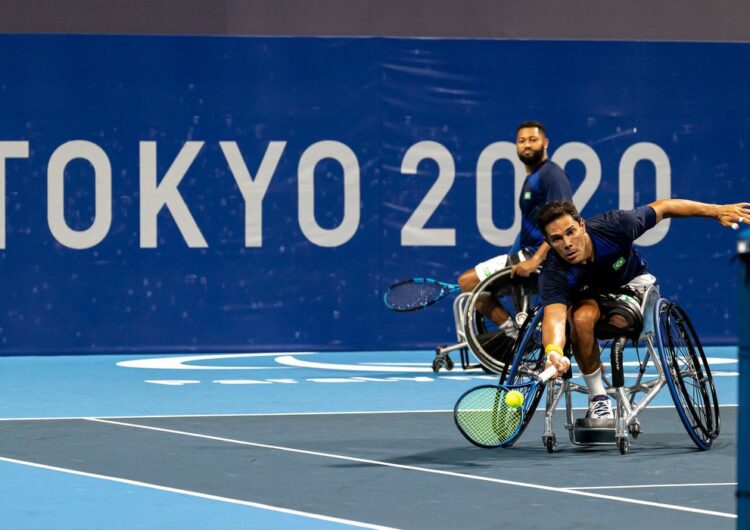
<point x="528" y="361"/>
<point x="688" y="374"/>
<point x="492" y="348"/>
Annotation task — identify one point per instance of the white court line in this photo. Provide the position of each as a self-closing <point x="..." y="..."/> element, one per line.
<point x="424" y="469"/>
<point x="232" y="415"/>
<point x="634" y="486"/>
<point x="201" y="495"/>
<point x="261" y="414"/>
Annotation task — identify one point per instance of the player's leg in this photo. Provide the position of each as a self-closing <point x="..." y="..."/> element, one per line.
<point x="583" y="317"/>
<point x="488" y="306"/>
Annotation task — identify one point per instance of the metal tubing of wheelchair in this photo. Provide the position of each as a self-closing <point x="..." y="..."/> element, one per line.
<point x="623" y="400"/>
<point x="643" y="403"/>
<point x="570" y="420"/>
<point x="553" y="399"/>
<point x="640" y="387"/>
<point x="657" y="360"/>
<point x="642" y="369"/>
<point x="452" y="347"/>
<point x="621" y="426"/>
<point x="459" y="306"/>
<point x="575" y="387"/>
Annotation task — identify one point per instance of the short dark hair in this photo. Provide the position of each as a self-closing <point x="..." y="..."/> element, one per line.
<point x="553" y="211"/>
<point x="531" y="124"/>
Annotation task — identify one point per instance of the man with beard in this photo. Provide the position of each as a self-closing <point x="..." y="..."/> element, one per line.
<point x="545" y="182"/>
<point x="590" y="262"/>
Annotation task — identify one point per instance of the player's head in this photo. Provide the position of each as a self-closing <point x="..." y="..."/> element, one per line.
<point x="564" y="230"/>
<point x="531" y="143"/>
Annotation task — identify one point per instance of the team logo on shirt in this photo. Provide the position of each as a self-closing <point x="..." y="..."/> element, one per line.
<point x="617" y="265"/>
<point x="527" y="196"/>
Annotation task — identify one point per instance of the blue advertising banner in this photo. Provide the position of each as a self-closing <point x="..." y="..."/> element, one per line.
<point x="203" y="193"/>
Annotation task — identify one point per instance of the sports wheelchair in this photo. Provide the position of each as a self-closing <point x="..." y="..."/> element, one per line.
<point x="675" y="351"/>
<point x="477" y="334"/>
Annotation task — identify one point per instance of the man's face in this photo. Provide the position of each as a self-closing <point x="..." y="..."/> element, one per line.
<point x="531" y="145"/>
<point x="568" y="238"/>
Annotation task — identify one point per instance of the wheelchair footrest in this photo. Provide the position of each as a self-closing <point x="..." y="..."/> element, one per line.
<point x="594" y="431"/>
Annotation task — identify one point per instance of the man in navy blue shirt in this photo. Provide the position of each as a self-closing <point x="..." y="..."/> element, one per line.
<point x="593" y="258"/>
<point x="545" y="182"/>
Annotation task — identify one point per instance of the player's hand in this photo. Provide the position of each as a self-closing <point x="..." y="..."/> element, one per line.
<point x="524" y="269"/>
<point x="560" y="362"/>
<point x="733" y="215"/>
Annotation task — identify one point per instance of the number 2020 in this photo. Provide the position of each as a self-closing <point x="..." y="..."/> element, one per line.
<point x="415" y="233"/>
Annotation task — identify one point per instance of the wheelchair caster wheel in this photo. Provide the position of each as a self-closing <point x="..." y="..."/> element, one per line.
<point x="449" y="363"/>
<point x="437" y="363"/>
<point x="550" y="442"/>
<point x="635" y="429"/>
<point x="623" y="445"/>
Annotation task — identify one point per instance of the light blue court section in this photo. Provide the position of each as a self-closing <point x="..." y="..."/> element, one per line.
<point x="138" y="385"/>
<point x="42" y="499"/>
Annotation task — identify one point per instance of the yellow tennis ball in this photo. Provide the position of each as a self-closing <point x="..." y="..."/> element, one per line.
<point x="514" y="399"/>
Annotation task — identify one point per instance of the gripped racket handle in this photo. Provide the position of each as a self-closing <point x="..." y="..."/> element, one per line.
<point x="547" y="374"/>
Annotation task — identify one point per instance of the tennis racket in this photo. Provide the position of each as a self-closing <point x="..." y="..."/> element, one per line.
<point x="484" y="416"/>
<point x="417" y="293"/>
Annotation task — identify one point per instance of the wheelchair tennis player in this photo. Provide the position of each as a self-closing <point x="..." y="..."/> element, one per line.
<point x="545" y="182"/>
<point x="594" y="278"/>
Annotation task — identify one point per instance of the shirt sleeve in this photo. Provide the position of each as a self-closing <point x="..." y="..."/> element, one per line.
<point x="556" y="185"/>
<point x="634" y="223"/>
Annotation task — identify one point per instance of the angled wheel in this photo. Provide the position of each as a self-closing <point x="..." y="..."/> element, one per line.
<point x="528" y="361"/>
<point x="492" y="348"/>
<point x="688" y="374"/>
<point x="550" y="442"/>
<point x="634" y="429"/>
<point x="449" y="364"/>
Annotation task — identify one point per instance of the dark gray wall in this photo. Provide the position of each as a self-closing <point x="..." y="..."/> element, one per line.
<point x="700" y="20"/>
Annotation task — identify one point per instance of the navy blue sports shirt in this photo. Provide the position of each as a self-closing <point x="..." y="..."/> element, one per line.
<point x="548" y="183"/>
<point x="615" y="262"/>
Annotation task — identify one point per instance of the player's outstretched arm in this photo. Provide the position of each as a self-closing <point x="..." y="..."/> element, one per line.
<point x="553" y="336"/>
<point x="729" y="215"/>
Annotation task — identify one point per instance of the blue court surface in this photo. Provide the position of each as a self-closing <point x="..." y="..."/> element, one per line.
<point x="324" y="440"/>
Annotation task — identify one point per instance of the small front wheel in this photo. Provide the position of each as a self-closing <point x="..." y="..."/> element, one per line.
<point x="437" y="363"/>
<point x="634" y="429"/>
<point x="449" y="363"/>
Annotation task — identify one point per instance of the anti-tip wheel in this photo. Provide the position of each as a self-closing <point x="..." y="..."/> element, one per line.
<point x="550" y="442"/>
<point x="623" y="445"/>
<point x="634" y="429"/>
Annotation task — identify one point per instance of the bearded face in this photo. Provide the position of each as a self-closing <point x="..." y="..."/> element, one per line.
<point x="531" y="157"/>
<point x="531" y="146"/>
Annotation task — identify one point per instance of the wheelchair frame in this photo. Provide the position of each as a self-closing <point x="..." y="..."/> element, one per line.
<point x="469" y="323"/>
<point x="669" y="373"/>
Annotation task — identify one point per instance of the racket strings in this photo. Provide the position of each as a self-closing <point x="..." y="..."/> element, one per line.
<point x="486" y="419"/>
<point x="411" y="295"/>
